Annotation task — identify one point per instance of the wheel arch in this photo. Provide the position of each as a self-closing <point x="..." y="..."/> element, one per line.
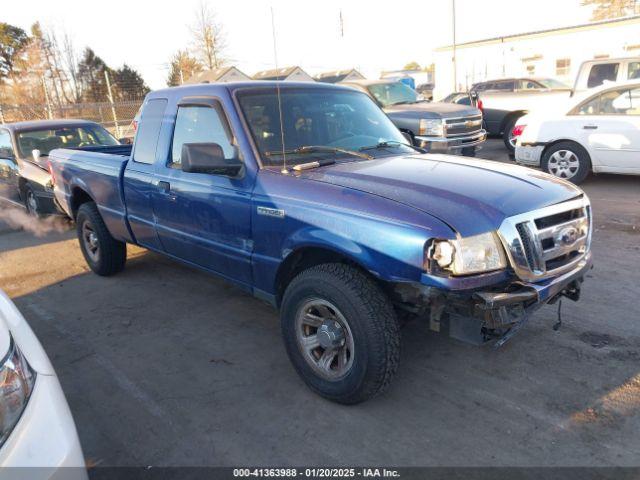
<point x="79" y="196"/>
<point x="509" y="117"/>
<point x="553" y="143"/>
<point x="307" y="256"/>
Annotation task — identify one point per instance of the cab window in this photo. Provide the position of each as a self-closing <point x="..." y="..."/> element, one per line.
<point x="633" y="71"/>
<point x="149" y="131"/>
<point x="601" y="73"/>
<point x="200" y="124"/>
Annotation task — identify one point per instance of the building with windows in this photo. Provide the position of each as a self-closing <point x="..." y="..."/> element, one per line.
<point x="338" y="76"/>
<point x="555" y="53"/>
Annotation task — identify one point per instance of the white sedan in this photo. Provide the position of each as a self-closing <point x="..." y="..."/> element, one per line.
<point x="36" y="426"/>
<point x="598" y="132"/>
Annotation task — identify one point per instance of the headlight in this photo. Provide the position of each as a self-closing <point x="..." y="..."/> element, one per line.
<point x="16" y="384"/>
<point x="463" y="256"/>
<point x="431" y="127"/>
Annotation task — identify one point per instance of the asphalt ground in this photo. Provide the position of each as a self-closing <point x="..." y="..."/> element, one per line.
<point x="163" y="365"/>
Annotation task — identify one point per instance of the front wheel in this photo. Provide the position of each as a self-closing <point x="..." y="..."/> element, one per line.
<point x="340" y="332"/>
<point x="104" y="254"/>
<point x="567" y="160"/>
<point x="31" y="201"/>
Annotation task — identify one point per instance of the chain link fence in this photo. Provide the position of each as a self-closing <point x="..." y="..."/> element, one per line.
<point x="117" y="117"/>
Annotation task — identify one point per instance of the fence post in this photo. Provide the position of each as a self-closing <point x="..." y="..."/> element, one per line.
<point x="46" y="98"/>
<point x="1" y="115"/>
<point x="113" y="107"/>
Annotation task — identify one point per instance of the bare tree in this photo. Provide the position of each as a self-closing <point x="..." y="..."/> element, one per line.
<point x="605" y="9"/>
<point x="208" y="37"/>
<point x="70" y="62"/>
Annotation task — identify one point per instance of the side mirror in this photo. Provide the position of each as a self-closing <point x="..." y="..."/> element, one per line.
<point x="35" y="153"/>
<point x="208" y="158"/>
<point x="407" y="137"/>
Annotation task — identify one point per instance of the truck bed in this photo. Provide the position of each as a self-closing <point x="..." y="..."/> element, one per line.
<point x="97" y="171"/>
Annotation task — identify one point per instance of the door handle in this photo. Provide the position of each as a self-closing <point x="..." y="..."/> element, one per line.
<point x="164" y="186"/>
<point x="590" y="127"/>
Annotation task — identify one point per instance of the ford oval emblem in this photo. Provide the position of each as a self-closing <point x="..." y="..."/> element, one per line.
<point x="568" y="236"/>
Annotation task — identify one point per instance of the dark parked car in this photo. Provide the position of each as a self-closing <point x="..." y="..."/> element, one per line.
<point x="434" y="126"/>
<point x="506" y="100"/>
<point x="24" y="148"/>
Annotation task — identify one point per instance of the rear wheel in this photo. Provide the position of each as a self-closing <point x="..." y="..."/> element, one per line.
<point x="567" y="160"/>
<point x="31" y="201"/>
<point x="340" y="332"/>
<point x="104" y="254"/>
<point x="508" y="137"/>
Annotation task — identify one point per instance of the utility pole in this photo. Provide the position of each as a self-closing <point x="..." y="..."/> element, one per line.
<point x="46" y="98"/>
<point x="181" y="77"/>
<point x="455" y="60"/>
<point x="113" y="107"/>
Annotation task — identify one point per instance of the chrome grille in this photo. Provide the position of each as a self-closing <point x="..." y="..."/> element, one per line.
<point x="462" y="126"/>
<point x="548" y="241"/>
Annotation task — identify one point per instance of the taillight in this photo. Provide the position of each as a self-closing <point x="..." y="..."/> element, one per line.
<point x="480" y="106"/>
<point x="135" y="126"/>
<point x="517" y="130"/>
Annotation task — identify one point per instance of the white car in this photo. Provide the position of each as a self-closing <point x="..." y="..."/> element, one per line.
<point x="598" y="132"/>
<point x="36" y="426"/>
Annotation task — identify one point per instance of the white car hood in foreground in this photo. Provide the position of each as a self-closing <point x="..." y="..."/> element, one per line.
<point x="13" y="324"/>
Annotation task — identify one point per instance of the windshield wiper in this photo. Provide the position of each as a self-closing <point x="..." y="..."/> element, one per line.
<point x="317" y="149"/>
<point x="392" y="143"/>
<point x="403" y="102"/>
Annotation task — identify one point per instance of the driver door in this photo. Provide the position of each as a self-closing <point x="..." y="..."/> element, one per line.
<point x="204" y="218"/>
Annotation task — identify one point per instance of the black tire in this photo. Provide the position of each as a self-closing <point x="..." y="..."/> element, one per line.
<point x="576" y="158"/>
<point x="371" y="321"/>
<point x="31" y="202"/>
<point x="110" y="256"/>
<point x="506" y="134"/>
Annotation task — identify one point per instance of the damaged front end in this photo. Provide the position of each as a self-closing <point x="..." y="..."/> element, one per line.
<point x="548" y="253"/>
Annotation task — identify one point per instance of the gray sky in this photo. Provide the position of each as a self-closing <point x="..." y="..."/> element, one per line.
<point x="377" y="35"/>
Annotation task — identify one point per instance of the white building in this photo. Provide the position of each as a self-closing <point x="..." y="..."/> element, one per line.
<point x="555" y="53"/>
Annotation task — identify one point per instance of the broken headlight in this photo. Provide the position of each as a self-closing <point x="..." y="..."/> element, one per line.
<point x="464" y="256"/>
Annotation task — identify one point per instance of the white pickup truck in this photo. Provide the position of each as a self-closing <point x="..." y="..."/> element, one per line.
<point x="505" y="100"/>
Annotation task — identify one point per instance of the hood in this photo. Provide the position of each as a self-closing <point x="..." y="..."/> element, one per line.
<point x="472" y="196"/>
<point x="432" y="110"/>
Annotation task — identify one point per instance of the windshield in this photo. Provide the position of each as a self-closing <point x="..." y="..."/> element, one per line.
<point x="340" y="119"/>
<point x="48" y="139"/>
<point x="393" y="93"/>
<point x="552" y="83"/>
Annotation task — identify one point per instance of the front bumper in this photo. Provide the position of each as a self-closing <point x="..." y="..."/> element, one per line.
<point x="529" y="155"/>
<point x="45" y="441"/>
<point x="445" y="144"/>
<point x="477" y="312"/>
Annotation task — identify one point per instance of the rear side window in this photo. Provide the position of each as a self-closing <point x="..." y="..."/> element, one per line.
<point x="200" y="124"/>
<point x="601" y="73"/>
<point x="633" y="72"/>
<point x="6" y="150"/>
<point x="149" y="131"/>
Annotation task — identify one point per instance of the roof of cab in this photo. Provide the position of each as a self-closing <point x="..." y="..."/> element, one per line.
<point x="204" y="88"/>
<point x="35" y="124"/>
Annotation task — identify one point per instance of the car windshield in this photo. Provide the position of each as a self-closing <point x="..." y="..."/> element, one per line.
<point x="396" y="93"/>
<point x="322" y="118"/>
<point x="552" y="83"/>
<point x="47" y="139"/>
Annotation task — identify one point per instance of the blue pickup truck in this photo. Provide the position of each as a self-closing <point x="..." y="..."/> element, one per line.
<point x="306" y="196"/>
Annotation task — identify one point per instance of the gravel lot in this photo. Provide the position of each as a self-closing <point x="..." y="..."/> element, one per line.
<point x="163" y="365"/>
